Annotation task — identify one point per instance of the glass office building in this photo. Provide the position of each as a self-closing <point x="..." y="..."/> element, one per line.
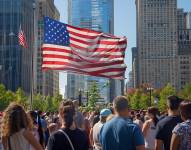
<point x="15" y="61"/>
<point x="97" y="15"/>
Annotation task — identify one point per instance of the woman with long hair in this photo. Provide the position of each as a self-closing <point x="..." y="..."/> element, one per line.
<point x="16" y="129"/>
<point x="68" y="137"/>
<point x="149" y="128"/>
<point x="181" y="137"/>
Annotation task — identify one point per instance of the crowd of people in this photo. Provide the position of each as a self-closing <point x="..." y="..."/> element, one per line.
<point x="115" y="128"/>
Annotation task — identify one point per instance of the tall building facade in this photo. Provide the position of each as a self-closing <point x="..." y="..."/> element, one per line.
<point x="45" y="83"/>
<point x="135" y="70"/>
<point x="97" y="15"/>
<point x="15" y="61"/>
<point x="184" y="48"/>
<point x="157" y="42"/>
<point x="188" y="20"/>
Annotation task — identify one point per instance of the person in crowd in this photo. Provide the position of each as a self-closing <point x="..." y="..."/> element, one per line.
<point x="87" y="126"/>
<point x="138" y="120"/>
<point x="163" y="115"/>
<point x="104" y="113"/>
<point x="110" y="117"/>
<point x="17" y="129"/>
<point x="181" y="138"/>
<point x="94" y="118"/>
<point x="1" y="116"/>
<point x="121" y="133"/>
<point x="132" y="115"/>
<point x="166" y="125"/>
<point x="78" y="118"/>
<point x="37" y="127"/>
<point x="44" y="126"/>
<point x="52" y="127"/>
<point x="149" y="128"/>
<point x="68" y="137"/>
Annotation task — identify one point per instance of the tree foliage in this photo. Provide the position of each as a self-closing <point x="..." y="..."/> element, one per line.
<point x="138" y="99"/>
<point x="38" y="102"/>
<point x="21" y="98"/>
<point x="94" y="95"/>
<point x="186" y="92"/>
<point x="165" y="92"/>
<point x="44" y="103"/>
<point x="6" y="97"/>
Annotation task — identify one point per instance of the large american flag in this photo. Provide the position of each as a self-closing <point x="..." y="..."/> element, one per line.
<point x="82" y="51"/>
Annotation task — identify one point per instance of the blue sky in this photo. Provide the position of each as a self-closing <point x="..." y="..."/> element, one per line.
<point x="125" y="25"/>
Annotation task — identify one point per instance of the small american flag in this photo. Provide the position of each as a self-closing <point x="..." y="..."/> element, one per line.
<point x="82" y="51"/>
<point x="22" y="38"/>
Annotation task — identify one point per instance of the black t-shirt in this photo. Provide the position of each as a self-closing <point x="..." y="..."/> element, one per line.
<point x="164" y="129"/>
<point x="58" y="141"/>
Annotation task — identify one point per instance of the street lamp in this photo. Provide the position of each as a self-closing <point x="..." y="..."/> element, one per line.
<point x="87" y="97"/>
<point x="80" y="97"/>
<point x="150" y="94"/>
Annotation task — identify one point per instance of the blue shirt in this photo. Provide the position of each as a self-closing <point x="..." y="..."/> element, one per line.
<point x="121" y="134"/>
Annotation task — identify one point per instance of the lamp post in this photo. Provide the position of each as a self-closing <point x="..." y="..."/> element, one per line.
<point x="150" y="94"/>
<point x="80" y="97"/>
<point x="87" y="97"/>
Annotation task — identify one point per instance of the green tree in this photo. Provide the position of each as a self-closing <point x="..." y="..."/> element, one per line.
<point x="186" y="92"/>
<point x="138" y="99"/>
<point x="94" y="95"/>
<point x="21" y="98"/>
<point x="165" y="92"/>
<point x="3" y="103"/>
<point x="5" y="97"/>
<point x="56" y="99"/>
<point x="38" y="102"/>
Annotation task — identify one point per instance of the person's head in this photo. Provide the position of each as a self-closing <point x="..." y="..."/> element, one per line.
<point x="120" y="105"/>
<point x="76" y="103"/>
<point x="185" y="109"/>
<point x="104" y="113"/>
<point x="40" y="113"/>
<point x="138" y="116"/>
<point x="173" y="103"/>
<point x="33" y="116"/>
<point x="15" y="119"/>
<point x="152" y="113"/>
<point x="66" y="113"/>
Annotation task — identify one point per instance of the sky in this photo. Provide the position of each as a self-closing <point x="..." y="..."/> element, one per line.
<point x="124" y="25"/>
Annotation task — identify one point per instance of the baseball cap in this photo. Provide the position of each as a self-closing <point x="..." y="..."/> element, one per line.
<point x="105" y="112"/>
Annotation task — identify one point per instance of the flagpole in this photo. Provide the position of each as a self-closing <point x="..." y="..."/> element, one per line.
<point x="32" y="57"/>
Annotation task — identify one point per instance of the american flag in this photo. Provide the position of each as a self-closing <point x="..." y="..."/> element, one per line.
<point x="82" y="51"/>
<point x="22" y="38"/>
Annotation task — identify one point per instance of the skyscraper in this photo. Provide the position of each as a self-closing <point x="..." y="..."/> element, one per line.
<point x="97" y="15"/>
<point x="184" y="48"/>
<point x="157" y="42"/>
<point x="188" y="20"/>
<point x="45" y="83"/>
<point x="15" y="61"/>
<point x="135" y="70"/>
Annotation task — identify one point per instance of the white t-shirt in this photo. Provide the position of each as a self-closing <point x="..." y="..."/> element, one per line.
<point x="96" y="132"/>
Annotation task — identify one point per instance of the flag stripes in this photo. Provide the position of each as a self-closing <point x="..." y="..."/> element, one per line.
<point x="89" y="52"/>
<point x="22" y="38"/>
